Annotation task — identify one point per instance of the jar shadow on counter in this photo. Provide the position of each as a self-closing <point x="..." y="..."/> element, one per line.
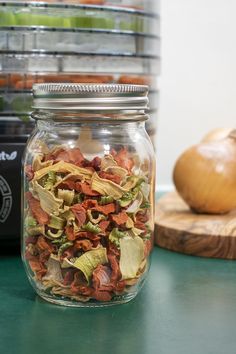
<point x="120" y="329"/>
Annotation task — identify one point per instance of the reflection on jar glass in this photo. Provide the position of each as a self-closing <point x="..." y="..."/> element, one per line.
<point x="88" y="201"/>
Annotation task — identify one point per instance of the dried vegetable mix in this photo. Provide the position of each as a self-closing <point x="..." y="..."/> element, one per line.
<point x="88" y="228"/>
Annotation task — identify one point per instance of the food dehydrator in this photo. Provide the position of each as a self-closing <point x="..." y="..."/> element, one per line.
<point x="94" y="41"/>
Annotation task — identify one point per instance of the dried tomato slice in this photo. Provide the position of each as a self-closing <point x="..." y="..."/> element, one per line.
<point x="86" y="189"/>
<point x="105" y="209"/>
<point x="85" y="245"/>
<point x="38" y="213"/>
<point x="110" y="177"/>
<point x="120" y="218"/>
<point x="73" y="155"/>
<point x="42" y="244"/>
<point x="104" y="225"/>
<point x="80" y="214"/>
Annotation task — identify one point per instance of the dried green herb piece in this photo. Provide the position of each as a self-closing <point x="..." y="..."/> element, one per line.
<point x="50" y="234"/>
<point x="50" y="181"/>
<point x="60" y="241"/>
<point x="95" y="229"/>
<point x="64" y="247"/>
<point x="147" y="236"/>
<point x="97" y="219"/>
<point x="132" y="181"/>
<point x="30" y="221"/>
<point x="105" y="199"/>
<point x="115" y="236"/>
<point x="36" y="230"/>
<point x="126" y="199"/>
<point x="78" y="198"/>
<point x="145" y="205"/>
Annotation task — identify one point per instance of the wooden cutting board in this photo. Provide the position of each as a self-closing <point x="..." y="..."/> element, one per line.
<point x="178" y="229"/>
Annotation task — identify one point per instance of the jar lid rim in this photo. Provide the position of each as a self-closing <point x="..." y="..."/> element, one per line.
<point x="84" y="88"/>
<point x="70" y="96"/>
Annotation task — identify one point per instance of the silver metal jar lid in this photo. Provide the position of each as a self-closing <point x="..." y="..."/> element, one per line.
<point x="87" y="97"/>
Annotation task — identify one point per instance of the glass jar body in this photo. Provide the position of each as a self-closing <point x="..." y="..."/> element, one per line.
<point x="88" y="204"/>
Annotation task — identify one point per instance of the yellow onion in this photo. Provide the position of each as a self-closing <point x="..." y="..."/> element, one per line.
<point x="216" y="134"/>
<point x="205" y="176"/>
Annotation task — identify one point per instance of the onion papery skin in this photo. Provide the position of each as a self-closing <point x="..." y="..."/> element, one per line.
<point x="205" y="176"/>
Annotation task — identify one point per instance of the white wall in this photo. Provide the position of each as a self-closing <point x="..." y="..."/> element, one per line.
<point x="198" y="77"/>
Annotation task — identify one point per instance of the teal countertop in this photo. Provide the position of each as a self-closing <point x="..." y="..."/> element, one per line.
<point x="187" y="306"/>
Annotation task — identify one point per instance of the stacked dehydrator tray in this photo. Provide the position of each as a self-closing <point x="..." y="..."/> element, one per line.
<point x="92" y="41"/>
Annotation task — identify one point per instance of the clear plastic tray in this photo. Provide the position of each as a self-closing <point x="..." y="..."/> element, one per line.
<point x="77" y="41"/>
<point x="22" y="82"/>
<point x="13" y="126"/>
<point x="61" y="15"/>
<point x="80" y="63"/>
<point x="145" y="5"/>
<point x="18" y="104"/>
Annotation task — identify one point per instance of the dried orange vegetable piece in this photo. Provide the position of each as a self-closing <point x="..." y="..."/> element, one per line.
<point x="120" y="218"/>
<point x="38" y="213"/>
<point x="80" y="213"/>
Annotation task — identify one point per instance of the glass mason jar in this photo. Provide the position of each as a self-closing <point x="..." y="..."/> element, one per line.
<point x="88" y="198"/>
